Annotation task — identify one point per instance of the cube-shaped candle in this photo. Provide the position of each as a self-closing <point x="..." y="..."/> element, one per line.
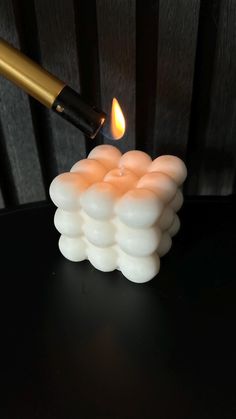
<point x="119" y="211"/>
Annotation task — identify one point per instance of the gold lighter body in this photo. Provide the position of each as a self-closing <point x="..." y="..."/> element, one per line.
<point x="49" y="90"/>
<point x="28" y="75"/>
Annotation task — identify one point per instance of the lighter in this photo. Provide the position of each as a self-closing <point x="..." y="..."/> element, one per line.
<point x="49" y="90"/>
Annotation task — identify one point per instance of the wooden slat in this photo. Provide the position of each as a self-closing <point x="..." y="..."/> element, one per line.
<point x="146" y="70"/>
<point x="116" y="39"/>
<point x="7" y="183"/>
<point x="17" y="127"/>
<point x="217" y="169"/>
<point x="202" y="87"/>
<point x="178" y="25"/>
<point x="26" y="25"/>
<point x="57" y="39"/>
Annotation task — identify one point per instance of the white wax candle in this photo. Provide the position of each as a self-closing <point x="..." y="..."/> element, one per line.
<point x="119" y="212"/>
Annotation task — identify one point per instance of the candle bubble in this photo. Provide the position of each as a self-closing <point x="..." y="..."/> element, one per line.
<point x="177" y="201"/>
<point x="164" y="245"/>
<point x="99" y="200"/>
<point x="73" y="249"/>
<point x="160" y="183"/>
<point x="91" y="169"/>
<point x="100" y="233"/>
<point x="139" y="269"/>
<point x="136" y="161"/>
<point x="66" y="189"/>
<point x="106" y="154"/>
<point x="68" y="222"/>
<point x="175" y="226"/>
<point x="138" y="242"/>
<point x="166" y="219"/>
<point x="172" y="166"/>
<point x="139" y="208"/>
<point x="104" y="259"/>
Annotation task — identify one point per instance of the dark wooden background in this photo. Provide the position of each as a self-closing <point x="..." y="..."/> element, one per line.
<point x="170" y="63"/>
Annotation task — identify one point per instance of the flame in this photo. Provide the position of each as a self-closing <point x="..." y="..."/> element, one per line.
<point x="117" y="120"/>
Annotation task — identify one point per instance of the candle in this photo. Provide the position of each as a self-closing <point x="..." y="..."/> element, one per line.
<point x="119" y="211"/>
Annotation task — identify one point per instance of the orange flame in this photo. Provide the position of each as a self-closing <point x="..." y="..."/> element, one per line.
<point x="117" y="120"/>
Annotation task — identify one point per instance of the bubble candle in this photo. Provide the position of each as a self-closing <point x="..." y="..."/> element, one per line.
<point x="119" y="211"/>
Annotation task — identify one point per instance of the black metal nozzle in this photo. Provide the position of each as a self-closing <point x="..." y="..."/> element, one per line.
<point x="73" y="108"/>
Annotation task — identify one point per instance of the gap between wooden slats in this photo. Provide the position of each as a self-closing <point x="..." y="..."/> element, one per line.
<point x="57" y="39"/>
<point x="214" y="120"/>
<point x="178" y="25"/>
<point x="17" y="128"/>
<point x="116" y="40"/>
<point x="2" y="205"/>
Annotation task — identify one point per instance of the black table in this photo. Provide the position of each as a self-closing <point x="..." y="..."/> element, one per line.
<point x="78" y="343"/>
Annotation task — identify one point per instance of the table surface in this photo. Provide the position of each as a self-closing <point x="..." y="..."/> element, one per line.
<point x="78" y="343"/>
